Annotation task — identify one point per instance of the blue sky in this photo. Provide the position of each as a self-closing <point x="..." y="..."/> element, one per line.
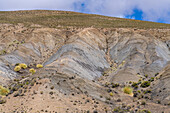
<point x="149" y="10"/>
<point x="137" y="14"/>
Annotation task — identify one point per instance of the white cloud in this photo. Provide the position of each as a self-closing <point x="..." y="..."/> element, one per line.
<point x="37" y="4"/>
<point x="153" y="10"/>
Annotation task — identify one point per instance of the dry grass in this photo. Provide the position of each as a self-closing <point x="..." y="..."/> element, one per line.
<point x="65" y="19"/>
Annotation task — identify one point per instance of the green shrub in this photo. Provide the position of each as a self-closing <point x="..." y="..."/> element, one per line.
<point x="146" y="76"/>
<point x="145" y="84"/>
<point x="115" y="85"/>
<point x="159" y="102"/>
<point x="2" y="52"/>
<point x="156" y="74"/>
<point x="140" y="80"/>
<point x="41" y="92"/>
<point x="16" y="80"/>
<point x="135" y="85"/>
<point x="20" y="84"/>
<point x="27" y="83"/>
<point x="147" y="91"/>
<point x="143" y="103"/>
<point x="139" y="91"/>
<point x="151" y="79"/>
<point x="17" y="64"/>
<point x="2" y="101"/>
<point x="145" y="111"/>
<point x="116" y="109"/>
<point x="52" y="87"/>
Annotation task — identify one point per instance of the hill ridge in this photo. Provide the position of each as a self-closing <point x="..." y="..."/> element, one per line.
<point x="67" y="19"/>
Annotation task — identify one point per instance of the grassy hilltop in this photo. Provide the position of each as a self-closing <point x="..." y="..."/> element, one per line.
<point x="65" y="19"/>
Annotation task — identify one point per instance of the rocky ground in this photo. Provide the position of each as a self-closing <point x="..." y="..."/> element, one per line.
<point x="85" y="70"/>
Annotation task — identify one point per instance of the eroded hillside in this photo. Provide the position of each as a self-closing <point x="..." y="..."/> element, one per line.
<point x="85" y="70"/>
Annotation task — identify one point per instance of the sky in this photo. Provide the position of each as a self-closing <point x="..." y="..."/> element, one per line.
<point x="149" y="10"/>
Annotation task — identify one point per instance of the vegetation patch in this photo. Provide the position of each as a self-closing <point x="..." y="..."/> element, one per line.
<point x="145" y="111"/>
<point x="3" y="91"/>
<point x="39" y="66"/>
<point x="151" y="79"/>
<point x="135" y="85"/>
<point x="65" y="19"/>
<point x="115" y="85"/>
<point x="2" y="52"/>
<point x="32" y="71"/>
<point x="128" y="90"/>
<point x="17" y="68"/>
<point x="24" y="66"/>
<point x="111" y="94"/>
<point x="145" y="84"/>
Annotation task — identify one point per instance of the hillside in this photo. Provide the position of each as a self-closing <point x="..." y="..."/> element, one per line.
<point x="65" y="19"/>
<point x="107" y="68"/>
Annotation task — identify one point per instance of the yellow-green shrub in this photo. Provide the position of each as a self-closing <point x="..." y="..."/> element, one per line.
<point x="111" y="94"/>
<point x="39" y="66"/>
<point x="32" y="70"/>
<point x="3" y="91"/>
<point x="17" y="68"/>
<point x="24" y="66"/>
<point x="128" y="90"/>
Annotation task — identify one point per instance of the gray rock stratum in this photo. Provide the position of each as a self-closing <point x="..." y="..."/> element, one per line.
<point x="124" y="54"/>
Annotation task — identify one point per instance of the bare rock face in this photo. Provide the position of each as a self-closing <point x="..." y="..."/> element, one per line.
<point x="83" y="55"/>
<point x="78" y="60"/>
<point x="161" y="87"/>
<point x="142" y="54"/>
